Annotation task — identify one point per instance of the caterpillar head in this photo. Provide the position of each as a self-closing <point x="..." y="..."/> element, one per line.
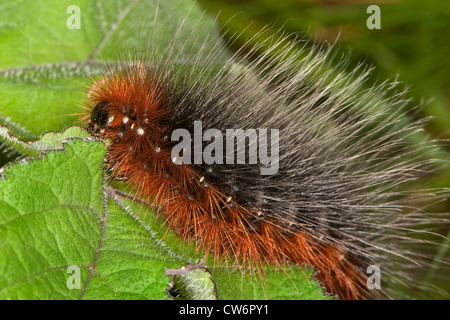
<point x="123" y="103"/>
<point x="103" y="117"/>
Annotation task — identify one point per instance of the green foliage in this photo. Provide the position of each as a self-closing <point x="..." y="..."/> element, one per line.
<point x="48" y="141"/>
<point x="54" y="215"/>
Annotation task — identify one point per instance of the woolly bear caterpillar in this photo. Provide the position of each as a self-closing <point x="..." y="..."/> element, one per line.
<point x="336" y="201"/>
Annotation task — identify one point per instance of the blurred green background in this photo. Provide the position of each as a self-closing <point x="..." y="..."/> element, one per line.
<point x="413" y="43"/>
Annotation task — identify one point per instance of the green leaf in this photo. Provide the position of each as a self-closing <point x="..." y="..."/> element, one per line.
<point x="193" y="282"/>
<point x="62" y="220"/>
<point x="48" y="141"/>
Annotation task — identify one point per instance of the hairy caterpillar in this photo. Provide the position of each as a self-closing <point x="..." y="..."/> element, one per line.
<point x="336" y="201"/>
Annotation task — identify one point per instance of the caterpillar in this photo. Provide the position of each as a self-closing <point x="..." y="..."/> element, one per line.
<point x="337" y="200"/>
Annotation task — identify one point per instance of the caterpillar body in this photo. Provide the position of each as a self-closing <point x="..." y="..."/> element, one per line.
<point x="337" y="201"/>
